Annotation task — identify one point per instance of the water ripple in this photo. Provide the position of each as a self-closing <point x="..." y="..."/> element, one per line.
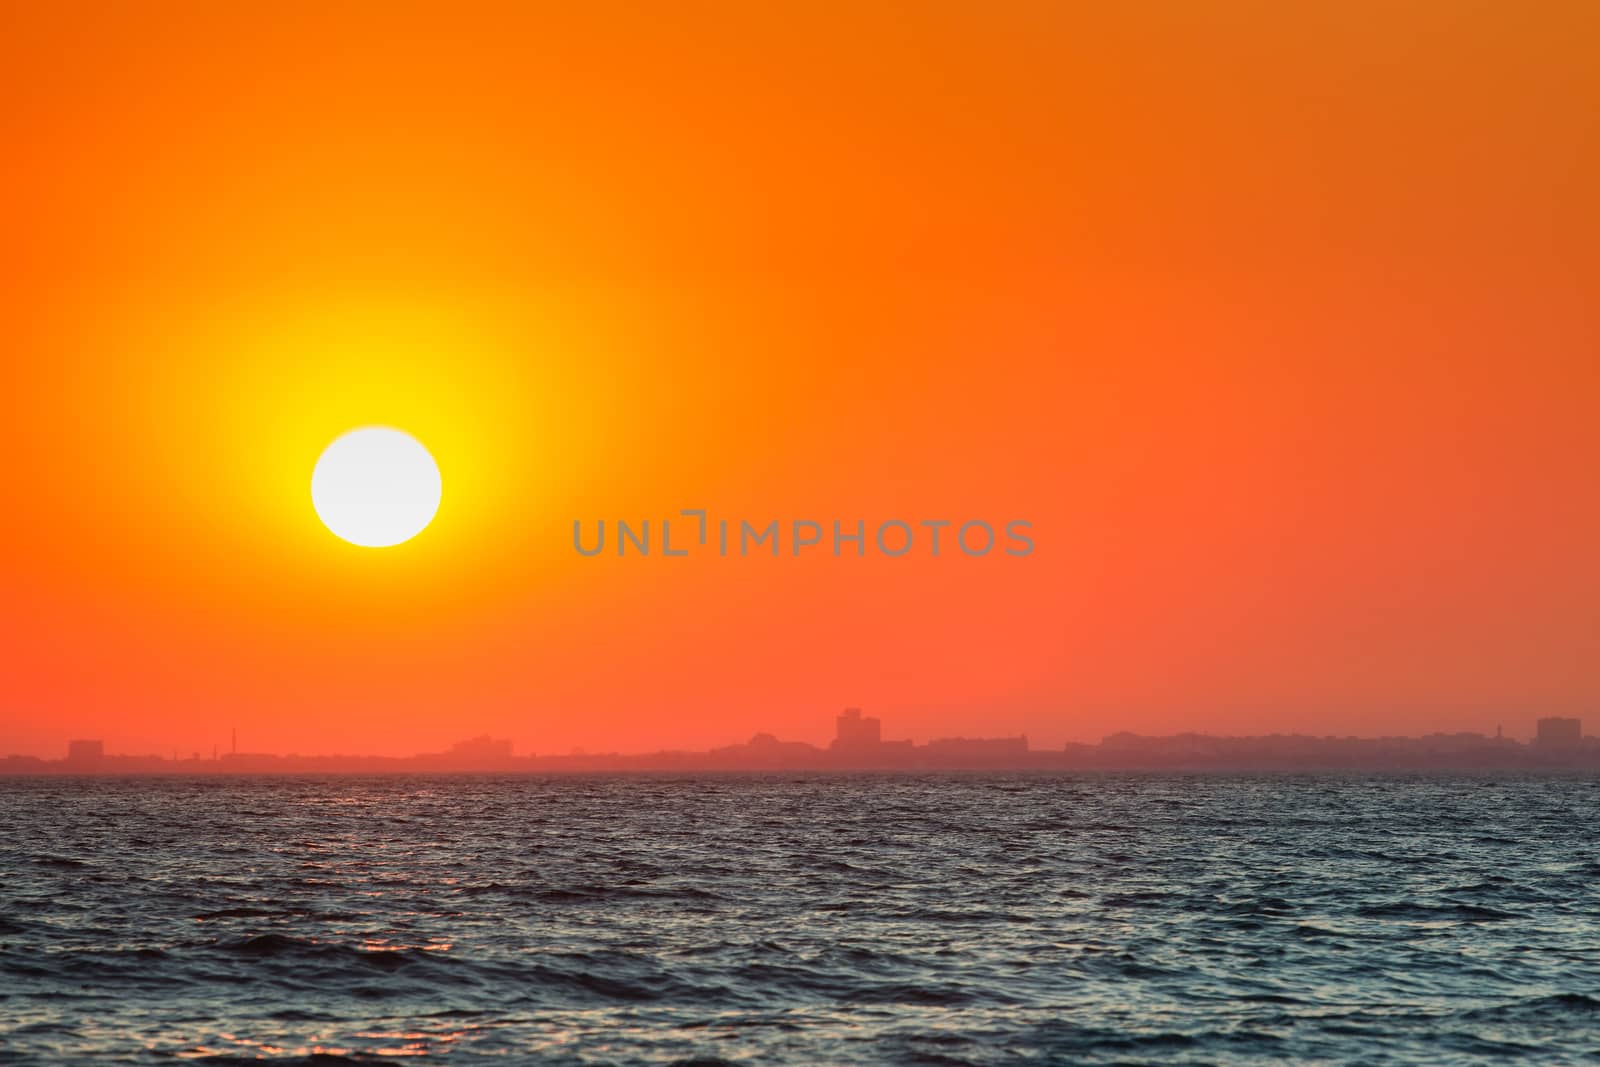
<point x="960" y="919"/>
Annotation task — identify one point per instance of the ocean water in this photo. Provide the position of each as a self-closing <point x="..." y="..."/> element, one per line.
<point x="942" y="919"/>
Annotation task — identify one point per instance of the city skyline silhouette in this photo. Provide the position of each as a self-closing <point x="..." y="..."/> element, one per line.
<point x="859" y="745"/>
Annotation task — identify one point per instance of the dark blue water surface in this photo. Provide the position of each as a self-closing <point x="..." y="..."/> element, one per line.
<point x="801" y="920"/>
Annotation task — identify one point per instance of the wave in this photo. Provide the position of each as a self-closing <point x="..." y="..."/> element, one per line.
<point x="1418" y="912"/>
<point x="1552" y="1008"/>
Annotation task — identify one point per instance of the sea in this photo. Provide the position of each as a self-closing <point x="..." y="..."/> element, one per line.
<point x="944" y="919"/>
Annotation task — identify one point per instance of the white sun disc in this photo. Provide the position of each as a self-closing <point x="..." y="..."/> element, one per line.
<point x="376" y="487"/>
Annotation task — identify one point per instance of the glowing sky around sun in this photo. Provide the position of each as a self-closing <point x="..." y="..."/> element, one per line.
<point x="1276" y="321"/>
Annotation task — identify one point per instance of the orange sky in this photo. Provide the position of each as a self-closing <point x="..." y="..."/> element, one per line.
<point x="1277" y="322"/>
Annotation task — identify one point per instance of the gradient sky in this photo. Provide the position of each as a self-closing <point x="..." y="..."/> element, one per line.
<point x="1278" y="322"/>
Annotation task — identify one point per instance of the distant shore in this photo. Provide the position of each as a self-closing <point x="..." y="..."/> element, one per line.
<point x="1120" y="752"/>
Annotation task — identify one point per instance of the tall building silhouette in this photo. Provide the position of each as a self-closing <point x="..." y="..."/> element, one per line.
<point x="854" y="730"/>
<point x="1558" y="732"/>
<point x="86" y="753"/>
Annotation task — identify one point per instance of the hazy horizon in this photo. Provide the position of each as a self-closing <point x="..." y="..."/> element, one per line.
<point x="520" y="748"/>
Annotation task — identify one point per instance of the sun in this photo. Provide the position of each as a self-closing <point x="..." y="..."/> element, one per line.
<point x="376" y="487"/>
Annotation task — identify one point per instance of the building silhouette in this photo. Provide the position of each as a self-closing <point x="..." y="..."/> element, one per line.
<point x="86" y="754"/>
<point x="481" y="748"/>
<point x="854" y="730"/>
<point x="1556" y="732"/>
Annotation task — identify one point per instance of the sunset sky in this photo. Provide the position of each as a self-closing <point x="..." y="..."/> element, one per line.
<point x="1277" y="322"/>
